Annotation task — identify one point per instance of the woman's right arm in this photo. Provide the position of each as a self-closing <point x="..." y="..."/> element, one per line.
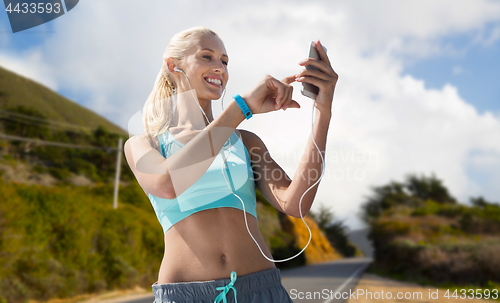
<point x="168" y="178"/>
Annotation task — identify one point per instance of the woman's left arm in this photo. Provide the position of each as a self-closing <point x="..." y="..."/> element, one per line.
<point x="284" y="193"/>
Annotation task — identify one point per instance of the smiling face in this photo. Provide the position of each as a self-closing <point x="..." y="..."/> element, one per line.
<point x="205" y="64"/>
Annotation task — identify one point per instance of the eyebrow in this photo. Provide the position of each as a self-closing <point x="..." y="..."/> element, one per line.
<point x="211" y="50"/>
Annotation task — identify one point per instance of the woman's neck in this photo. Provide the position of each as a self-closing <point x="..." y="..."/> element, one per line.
<point x="188" y="115"/>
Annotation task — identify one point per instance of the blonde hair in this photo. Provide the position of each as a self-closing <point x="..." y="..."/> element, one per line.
<point x="158" y="109"/>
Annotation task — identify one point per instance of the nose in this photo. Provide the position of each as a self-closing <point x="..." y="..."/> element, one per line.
<point x="219" y="66"/>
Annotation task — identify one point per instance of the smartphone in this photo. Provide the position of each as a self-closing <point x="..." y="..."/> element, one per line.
<point x="308" y="89"/>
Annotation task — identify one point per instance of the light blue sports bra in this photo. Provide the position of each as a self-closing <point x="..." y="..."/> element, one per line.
<point x="211" y="190"/>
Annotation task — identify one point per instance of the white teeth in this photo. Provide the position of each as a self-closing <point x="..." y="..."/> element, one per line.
<point x="216" y="81"/>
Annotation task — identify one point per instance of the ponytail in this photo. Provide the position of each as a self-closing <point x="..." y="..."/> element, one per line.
<point x="158" y="109"/>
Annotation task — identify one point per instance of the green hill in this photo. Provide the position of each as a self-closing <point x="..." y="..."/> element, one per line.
<point x="16" y="90"/>
<point x="34" y="112"/>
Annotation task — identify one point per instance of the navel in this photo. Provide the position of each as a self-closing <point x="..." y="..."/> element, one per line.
<point x="223" y="258"/>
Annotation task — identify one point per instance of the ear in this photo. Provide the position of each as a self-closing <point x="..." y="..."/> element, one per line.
<point x="171" y="64"/>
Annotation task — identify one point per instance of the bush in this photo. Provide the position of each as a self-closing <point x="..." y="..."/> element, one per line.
<point x="59" y="173"/>
<point x="64" y="241"/>
<point x="420" y="232"/>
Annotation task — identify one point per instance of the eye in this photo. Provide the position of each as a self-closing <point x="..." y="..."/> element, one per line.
<point x="210" y="58"/>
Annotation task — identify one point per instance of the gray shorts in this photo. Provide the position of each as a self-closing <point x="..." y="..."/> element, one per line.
<point x="258" y="287"/>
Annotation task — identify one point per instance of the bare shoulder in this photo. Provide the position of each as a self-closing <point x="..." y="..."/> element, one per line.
<point x="247" y="137"/>
<point x="250" y="140"/>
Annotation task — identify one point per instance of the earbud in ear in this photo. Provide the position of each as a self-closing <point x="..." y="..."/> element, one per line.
<point x="176" y="69"/>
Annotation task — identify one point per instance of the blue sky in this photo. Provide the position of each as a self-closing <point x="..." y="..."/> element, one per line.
<point x="474" y="70"/>
<point x="426" y="99"/>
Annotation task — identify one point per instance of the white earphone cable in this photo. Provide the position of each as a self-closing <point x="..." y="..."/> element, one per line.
<point x="300" y="202"/>
<point x="243" y="204"/>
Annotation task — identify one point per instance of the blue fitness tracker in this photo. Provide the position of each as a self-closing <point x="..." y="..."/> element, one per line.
<point x="244" y="108"/>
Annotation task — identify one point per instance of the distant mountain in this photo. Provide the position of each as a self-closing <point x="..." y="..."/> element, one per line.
<point x="16" y="90"/>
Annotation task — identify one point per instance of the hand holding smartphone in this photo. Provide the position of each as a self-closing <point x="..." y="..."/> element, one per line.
<point x="308" y="89"/>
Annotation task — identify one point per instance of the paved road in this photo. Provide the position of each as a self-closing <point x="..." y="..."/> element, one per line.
<point x="324" y="279"/>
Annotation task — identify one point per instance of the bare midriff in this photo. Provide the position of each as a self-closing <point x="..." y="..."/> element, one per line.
<point x="210" y="244"/>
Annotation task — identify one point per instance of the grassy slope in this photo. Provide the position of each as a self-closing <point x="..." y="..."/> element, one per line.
<point x="16" y="90"/>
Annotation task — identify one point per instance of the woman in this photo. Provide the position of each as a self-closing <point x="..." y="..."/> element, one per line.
<point x="182" y="156"/>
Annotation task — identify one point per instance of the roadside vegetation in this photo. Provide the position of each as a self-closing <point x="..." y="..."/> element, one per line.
<point x="423" y="234"/>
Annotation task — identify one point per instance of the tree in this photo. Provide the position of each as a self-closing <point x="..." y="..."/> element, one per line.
<point x="335" y="230"/>
<point x="412" y="193"/>
<point x="429" y="188"/>
<point x="324" y="217"/>
<point x="481" y="202"/>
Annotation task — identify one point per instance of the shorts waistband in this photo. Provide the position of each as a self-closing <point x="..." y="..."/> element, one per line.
<point x="201" y="289"/>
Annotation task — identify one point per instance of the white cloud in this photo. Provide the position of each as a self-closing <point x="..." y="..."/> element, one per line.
<point x="114" y="53"/>
<point x="488" y="35"/>
<point x="415" y="27"/>
<point x="30" y="64"/>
